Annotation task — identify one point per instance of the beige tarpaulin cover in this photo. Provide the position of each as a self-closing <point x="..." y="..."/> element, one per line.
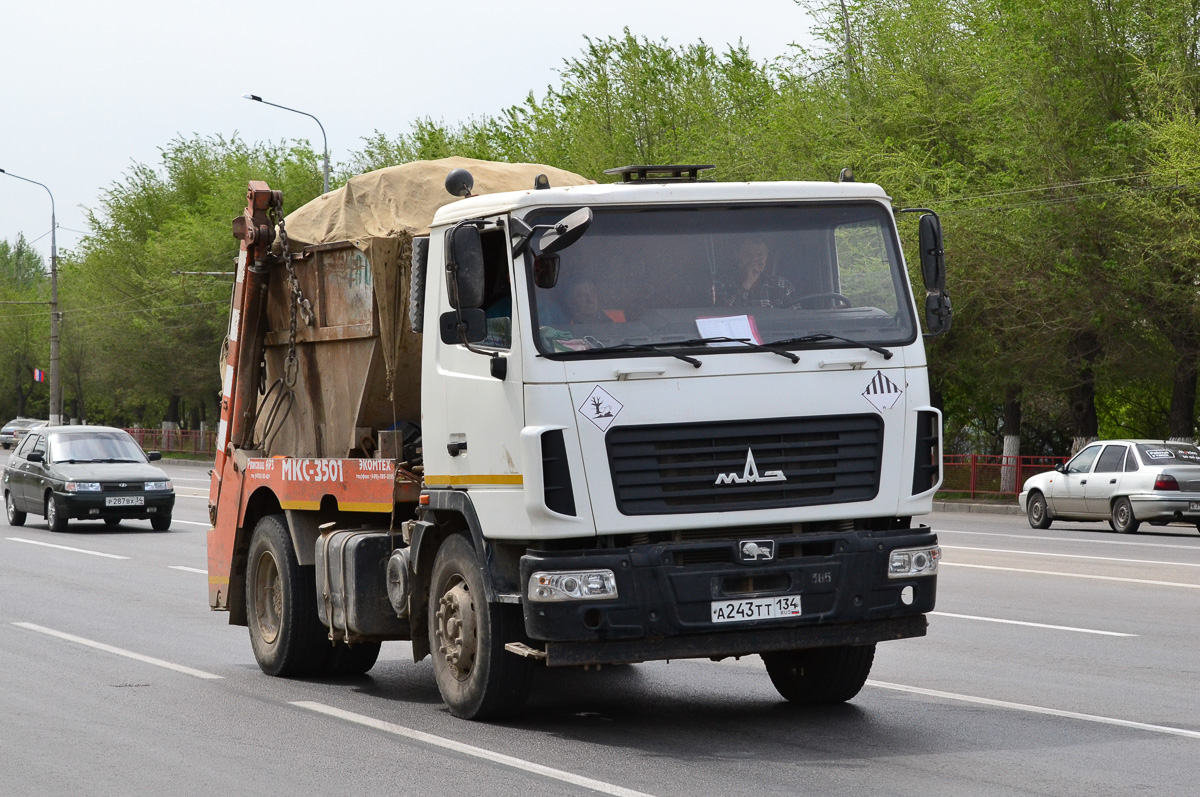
<point x="353" y="381"/>
<point x="404" y="198"/>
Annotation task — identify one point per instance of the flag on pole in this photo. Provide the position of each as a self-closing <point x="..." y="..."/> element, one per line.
<point x="39" y="375"/>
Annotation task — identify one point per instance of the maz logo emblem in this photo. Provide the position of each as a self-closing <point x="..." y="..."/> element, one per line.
<point x="750" y="473"/>
<point x="755" y="550"/>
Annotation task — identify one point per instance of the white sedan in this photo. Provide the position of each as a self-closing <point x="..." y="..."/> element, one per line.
<point x="1125" y="482"/>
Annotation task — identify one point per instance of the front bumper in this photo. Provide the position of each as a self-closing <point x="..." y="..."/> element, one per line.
<point x="665" y="593"/>
<point x="84" y="506"/>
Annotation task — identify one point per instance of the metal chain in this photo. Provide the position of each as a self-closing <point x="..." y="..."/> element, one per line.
<point x="298" y="301"/>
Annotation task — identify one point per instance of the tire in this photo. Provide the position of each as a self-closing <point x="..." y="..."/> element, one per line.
<point x="477" y="678"/>
<point x="55" y="519"/>
<point x="281" y="605"/>
<point x="820" y="676"/>
<point x="1123" y="521"/>
<point x="15" y="516"/>
<point x="1037" y="512"/>
<point x="163" y="522"/>
<point x="350" y="660"/>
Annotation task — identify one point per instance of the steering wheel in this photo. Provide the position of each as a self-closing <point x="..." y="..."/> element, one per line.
<point x="821" y="301"/>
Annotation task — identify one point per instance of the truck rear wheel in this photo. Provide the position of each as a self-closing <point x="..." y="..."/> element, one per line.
<point x="478" y="679"/>
<point x="285" y="630"/>
<point x="820" y="676"/>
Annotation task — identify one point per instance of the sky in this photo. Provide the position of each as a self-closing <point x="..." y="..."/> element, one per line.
<point x="87" y="89"/>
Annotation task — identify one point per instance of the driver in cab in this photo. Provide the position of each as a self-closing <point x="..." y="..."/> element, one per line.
<point x="751" y="285"/>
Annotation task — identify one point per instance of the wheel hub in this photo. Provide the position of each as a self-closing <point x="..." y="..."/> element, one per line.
<point x="456" y="630"/>
<point x="268" y="598"/>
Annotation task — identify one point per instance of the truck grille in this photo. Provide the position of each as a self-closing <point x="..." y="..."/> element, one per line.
<point x="707" y="467"/>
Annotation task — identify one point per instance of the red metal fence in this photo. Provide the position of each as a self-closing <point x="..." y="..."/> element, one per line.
<point x="991" y="475"/>
<point x="971" y="475"/>
<point x="177" y="441"/>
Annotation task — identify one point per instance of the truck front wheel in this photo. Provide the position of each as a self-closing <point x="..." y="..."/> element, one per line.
<point x="820" y="676"/>
<point x="285" y="630"/>
<point x="478" y="679"/>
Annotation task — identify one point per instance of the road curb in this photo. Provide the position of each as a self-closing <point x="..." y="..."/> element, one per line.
<point x="984" y="509"/>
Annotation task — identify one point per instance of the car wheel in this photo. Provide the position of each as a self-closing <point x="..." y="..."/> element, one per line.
<point x="15" y="516"/>
<point x="160" y="522"/>
<point x="1123" y="520"/>
<point x="477" y="677"/>
<point x="1037" y="511"/>
<point x="820" y="676"/>
<point x="55" y="519"/>
<point x="281" y="605"/>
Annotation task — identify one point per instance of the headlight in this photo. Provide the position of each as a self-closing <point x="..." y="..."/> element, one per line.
<point x="82" y="487"/>
<point x="911" y="562"/>
<point x="158" y="485"/>
<point x="574" y="586"/>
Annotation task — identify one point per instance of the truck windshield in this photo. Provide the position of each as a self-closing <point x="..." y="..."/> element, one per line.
<point x="805" y="275"/>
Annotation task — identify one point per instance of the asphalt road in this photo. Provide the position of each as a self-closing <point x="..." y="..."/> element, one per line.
<point x="1060" y="662"/>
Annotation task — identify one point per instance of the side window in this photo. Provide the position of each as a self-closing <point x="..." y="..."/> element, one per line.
<point x="497" y="289"/>
<point x="24" y="447"/>
<point x="39" y="443"/>
<point x="1112" y="460"/>
<point x="1131" y="463"/>
<point x="1083" y="460"/>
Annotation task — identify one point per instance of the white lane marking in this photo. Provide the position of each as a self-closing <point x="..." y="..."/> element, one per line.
<point x="1074" y="575"/>
<point x="1031" y="625"/>
<point x="1072" y="556"/>
<point x="67" y="548"/>
<point x="1053" y="712"/>
<point x="466" y="749"/>
<point x="188" y="569"/>
<point x="191" y="523"/>
<point x="189" y="479"/>
<point x="129" y="654"/>
<point x="1068" y="539"/>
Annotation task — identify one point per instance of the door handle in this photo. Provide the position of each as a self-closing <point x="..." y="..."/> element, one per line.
<point x="1083" y="481"/>
<point x="1112" y="481"/>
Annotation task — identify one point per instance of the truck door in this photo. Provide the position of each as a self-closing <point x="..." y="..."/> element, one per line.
<point x="1068" y="494"/>
<point x="472" y="418"/>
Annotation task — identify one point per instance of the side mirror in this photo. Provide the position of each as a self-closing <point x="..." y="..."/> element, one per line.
<point x="154" y="456"/>
<point x="937" y="313"/>
<point x="566" y="232"/>
<point x="464" y="268"/>
<point x="35" y="456"/>
<point x="471" y="329"/>
<point x="1061" y="467"/>
<point x="933" y="258"/>
<point x="545" y="270"/>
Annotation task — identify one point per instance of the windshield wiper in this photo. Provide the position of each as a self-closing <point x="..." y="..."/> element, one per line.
<point x="660" y="348"/>
<point x="744" y="341"/>
<point x="887" y="353"/>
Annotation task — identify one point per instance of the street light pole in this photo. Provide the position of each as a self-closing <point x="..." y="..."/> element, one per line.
<point x="55" y="394"/>
<point x="324" y="141"/>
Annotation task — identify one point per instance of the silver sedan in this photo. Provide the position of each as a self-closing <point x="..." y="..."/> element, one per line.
<point x="1126" y="482"/>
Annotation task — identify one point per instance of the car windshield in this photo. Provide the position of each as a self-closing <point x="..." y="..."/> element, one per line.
<point x="97" y="447"/>
<point x="1169" y="454"/>
<point x="799" y="276"/>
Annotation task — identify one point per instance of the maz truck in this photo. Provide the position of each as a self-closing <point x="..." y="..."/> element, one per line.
<point x="520" y="420"/>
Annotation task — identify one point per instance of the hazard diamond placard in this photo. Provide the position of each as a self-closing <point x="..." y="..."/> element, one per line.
<point x="882" y="392"/>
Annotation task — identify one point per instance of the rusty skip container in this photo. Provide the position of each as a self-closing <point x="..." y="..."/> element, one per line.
<point x="358" y="361"/>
